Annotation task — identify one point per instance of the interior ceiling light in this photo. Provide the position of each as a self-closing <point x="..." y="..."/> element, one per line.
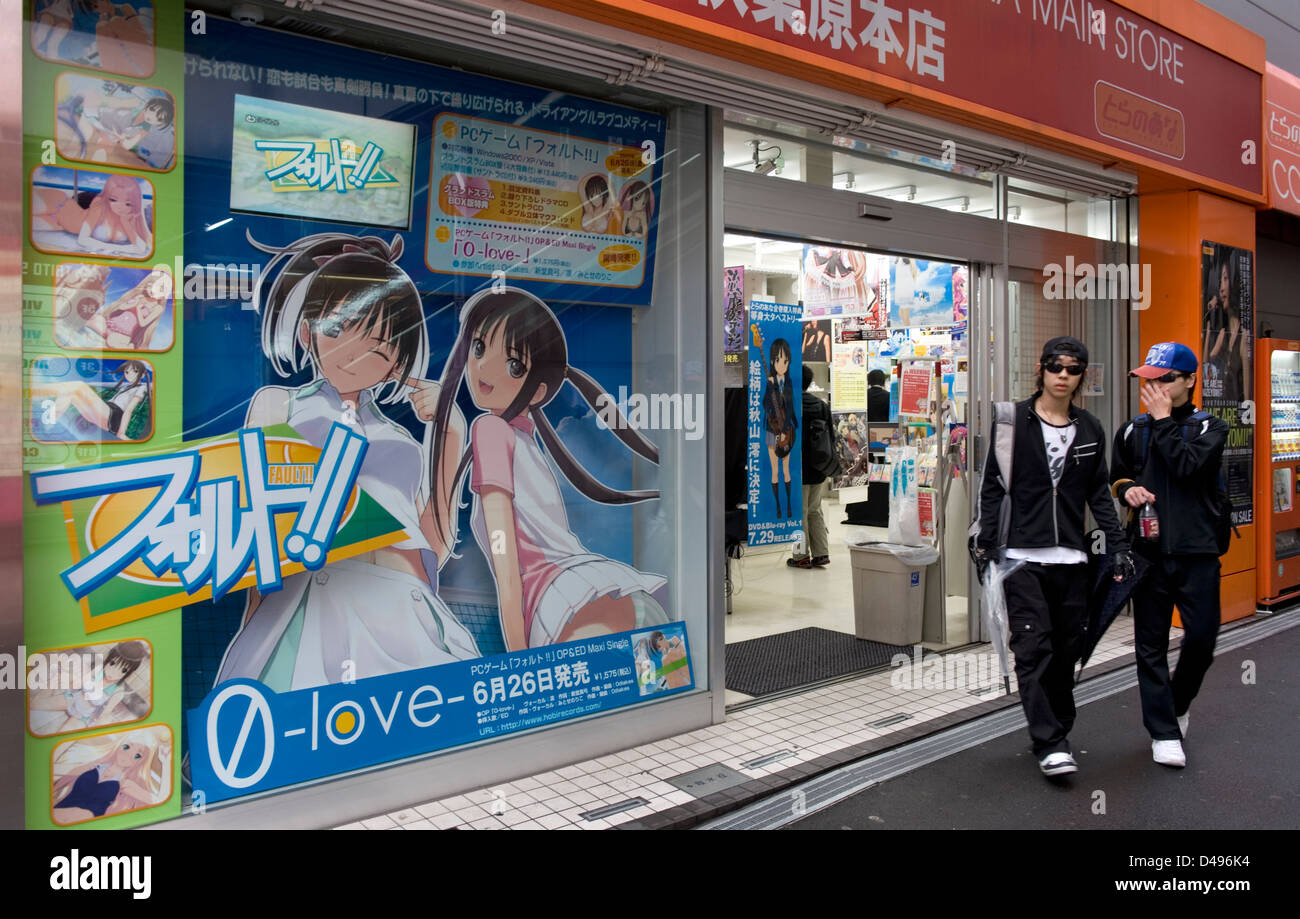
<point x="908" y="191"/>
<point x="961" y="202"/>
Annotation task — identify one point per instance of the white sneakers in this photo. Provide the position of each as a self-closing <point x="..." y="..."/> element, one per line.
<point x="1183" y="721"/>
<point x="1168" y="753"/>
<point x="1058" y="764"/>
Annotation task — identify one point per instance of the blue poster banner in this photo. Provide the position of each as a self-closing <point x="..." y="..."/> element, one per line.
<point x="920" y="293"/>
<point x="245" y="738"/>
<point x="775" y="469"/>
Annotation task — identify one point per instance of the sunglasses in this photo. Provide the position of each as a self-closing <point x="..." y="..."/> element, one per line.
<point x="1168" y="377"/>
<point x="1073" y="370"/>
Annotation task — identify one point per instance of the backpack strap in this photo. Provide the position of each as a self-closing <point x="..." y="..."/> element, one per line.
<point x="1004" y="440"/>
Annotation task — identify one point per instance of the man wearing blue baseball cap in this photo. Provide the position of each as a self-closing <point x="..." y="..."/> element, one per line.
<point x="1167" y="470"/>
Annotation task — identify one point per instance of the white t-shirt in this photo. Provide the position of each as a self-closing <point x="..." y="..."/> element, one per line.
<point x="1056" y="441"/>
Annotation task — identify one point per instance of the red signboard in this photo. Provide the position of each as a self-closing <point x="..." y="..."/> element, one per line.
<point x="1282" y="139"/>
<point x="1091" y="68"/>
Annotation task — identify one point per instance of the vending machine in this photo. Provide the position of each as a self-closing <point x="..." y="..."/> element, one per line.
<point x="1277" y="497"/>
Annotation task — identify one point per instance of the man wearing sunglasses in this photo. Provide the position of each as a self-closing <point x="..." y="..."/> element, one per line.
<point x="1170" y="457"/>
<point x="1058" y="470"/>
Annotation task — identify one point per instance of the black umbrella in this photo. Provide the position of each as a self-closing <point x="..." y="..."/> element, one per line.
<point x="1107" y="598"/>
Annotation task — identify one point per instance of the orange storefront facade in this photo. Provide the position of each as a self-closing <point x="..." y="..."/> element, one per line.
<point x="1171" y="92"/>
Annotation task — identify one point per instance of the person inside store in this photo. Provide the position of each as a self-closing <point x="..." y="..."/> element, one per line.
<point x="1167" y="461"/>
<point x="875" y="511"/>
<point x="1058" y="455"/>
<point x="813" y="551"/>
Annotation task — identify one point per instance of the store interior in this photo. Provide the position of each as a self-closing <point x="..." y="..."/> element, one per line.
<point x="901" y="323"/>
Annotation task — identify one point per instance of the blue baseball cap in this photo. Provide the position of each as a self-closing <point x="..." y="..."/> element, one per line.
<point x="1164" y="357"/>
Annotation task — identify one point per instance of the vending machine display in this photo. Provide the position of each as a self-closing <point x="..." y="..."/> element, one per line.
<point x="1278" y="473"/>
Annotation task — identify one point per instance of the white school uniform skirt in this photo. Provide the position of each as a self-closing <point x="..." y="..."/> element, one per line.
<point x="587" y="578"/>
<point x="350" y="619"/>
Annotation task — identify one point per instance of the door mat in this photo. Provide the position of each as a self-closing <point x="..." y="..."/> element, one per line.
<point x="761" y="666"/>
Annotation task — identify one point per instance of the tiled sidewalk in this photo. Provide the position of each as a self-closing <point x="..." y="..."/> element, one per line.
<point x="822" y="728"/>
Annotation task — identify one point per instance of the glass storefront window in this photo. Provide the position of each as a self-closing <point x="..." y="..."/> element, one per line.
<point x="788" y="152"/>
<point x="364" y="420"/>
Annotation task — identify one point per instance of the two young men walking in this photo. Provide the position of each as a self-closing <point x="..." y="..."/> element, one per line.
<point x="1032" y="515"/>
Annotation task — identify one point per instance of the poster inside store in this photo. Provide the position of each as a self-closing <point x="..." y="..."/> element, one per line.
<point x="293" y="379"/>
<point x="1226" y="382"/>
<point x="775" y="437"/>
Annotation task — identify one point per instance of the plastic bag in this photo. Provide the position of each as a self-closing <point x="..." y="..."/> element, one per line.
<point x="904" y="512"/>
<point x="995" y="612"/>
<point x="916" y="556"/>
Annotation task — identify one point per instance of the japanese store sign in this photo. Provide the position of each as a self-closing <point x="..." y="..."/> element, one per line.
<point x="1282" y="133"/>
<point x="1095" y="69"/>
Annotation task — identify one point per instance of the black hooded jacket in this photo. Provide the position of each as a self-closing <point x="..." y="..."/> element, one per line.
<point x="1042" y="515"/>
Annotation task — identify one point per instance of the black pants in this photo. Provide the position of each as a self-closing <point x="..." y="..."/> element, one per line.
<point x="1047" y="614"/>
<point x="1192" y="582"/>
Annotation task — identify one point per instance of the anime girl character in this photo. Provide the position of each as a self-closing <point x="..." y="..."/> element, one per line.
<point x="109" y="222"/>
<point x="129" y="324"/>
<point x="341" y="307"/>
<point x="130" y="775"/>
<point x="512" y="357"/>
<point x="111" y="412"/>
<point x="781" y="421"/>
<point x="664" y="652"/>
<point x="838" y="276"/>
<point x="64" y="30"/>
<point x="600" y="214"/>
<point x="638" y="204"/>
<point x="118" y="127"/>
<point x="79" y="294"/>
<point x="124" y="38"/>
<point x="85" y="708"/>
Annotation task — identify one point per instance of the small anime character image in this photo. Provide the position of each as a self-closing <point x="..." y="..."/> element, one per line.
<point x="600" y="213"/>
<point x="512" y="356"/>
<point x="129" y="323"/>
<point x="111" y="221"/>
<point x="341" y="307"/>
<point x="111" y="410"/>
<point x="79" y="294"/>
<point x="117" y="37"/>
<point x="780" y="418"/>
<point x="838" y="276"/>
<point x="638" y="204"/>
<point x="110" y="774"/>
<point x="104" y="702"/>
<point x="664" y="652"/>
<point x="118" y="123"/>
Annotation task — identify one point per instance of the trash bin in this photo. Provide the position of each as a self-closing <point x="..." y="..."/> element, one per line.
<point x="889" y="590"/>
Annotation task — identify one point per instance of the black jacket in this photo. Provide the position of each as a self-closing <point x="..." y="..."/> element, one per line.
<point x="1043" y="516"/>
<point x="1182" y="474"/>
<point x="877" y="404"/>
<point x="814" y="408"/>
<point x="778" y="399"/>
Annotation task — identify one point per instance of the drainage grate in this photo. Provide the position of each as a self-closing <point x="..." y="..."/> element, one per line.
<point x="886" y="722"/>
<point x="609" y="810"/>
<point x="764" y="760"/>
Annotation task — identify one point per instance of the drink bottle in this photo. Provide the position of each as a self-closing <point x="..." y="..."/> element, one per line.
<point x="1148" y="522"/>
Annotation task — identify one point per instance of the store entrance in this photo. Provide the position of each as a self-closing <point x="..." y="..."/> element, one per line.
<point x="883" y="342"/>
<point x="951" y="310"/>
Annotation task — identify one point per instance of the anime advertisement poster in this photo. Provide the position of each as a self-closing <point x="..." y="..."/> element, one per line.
<point x="457" y="335"/>
<point x="1226" y="380"/>
<point x="849" y="378"/>
<point x="845" y="282"/>
<point x="733" y="315"/>
<point x="386" y="504"/>
<point x="921" y="293"/>
<point x="775" y="469"/>
<point x="103" y="384"/>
